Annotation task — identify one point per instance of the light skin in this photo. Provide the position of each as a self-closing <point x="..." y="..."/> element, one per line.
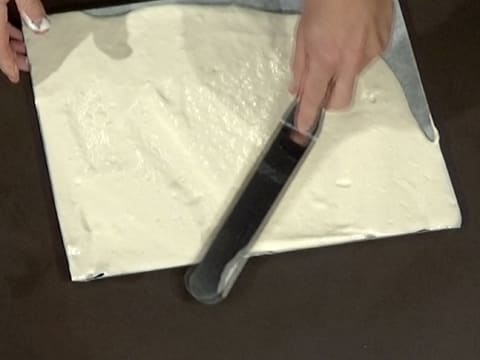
<point x="336" y="40"/>
<point x="12" y="48"/>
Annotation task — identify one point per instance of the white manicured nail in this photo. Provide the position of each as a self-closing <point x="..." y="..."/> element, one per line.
<point x="38" y="26"/>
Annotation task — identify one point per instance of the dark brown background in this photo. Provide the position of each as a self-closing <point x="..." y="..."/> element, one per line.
<point x="413" y="297"/>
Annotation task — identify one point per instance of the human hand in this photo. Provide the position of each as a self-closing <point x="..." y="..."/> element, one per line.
<point x="12" y="48"/>
<point x="336" y="40"/>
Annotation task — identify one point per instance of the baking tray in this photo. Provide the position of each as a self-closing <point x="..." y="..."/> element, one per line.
<point x="400" y="44"/>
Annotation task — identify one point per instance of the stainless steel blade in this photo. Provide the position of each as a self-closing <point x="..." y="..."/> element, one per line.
<point x="212" y="278"/>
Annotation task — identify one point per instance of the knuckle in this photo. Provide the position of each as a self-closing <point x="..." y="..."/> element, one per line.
<point x="326" y="53"/>
<point x="329" y="57"/>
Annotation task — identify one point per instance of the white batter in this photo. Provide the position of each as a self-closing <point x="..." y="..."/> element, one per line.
<point x="152" y="120"/>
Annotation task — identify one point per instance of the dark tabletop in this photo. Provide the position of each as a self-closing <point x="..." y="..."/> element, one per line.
<point x="412" y="297"/>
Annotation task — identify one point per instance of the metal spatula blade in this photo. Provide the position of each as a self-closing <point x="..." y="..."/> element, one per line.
<point x="211" y="280"/>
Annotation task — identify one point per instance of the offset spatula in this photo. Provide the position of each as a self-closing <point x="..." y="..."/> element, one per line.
<point x="211" y="280"/>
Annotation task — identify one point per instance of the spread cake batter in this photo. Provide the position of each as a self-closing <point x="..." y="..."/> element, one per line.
<point x="151" y="120"/>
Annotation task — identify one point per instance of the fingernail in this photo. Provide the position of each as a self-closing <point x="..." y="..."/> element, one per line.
<point x="38" y="26"/>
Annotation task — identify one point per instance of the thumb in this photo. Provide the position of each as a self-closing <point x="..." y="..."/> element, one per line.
<point x="33" y="15"/>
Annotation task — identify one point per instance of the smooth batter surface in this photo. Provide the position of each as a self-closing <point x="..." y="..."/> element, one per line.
<point x="151" y="121"/>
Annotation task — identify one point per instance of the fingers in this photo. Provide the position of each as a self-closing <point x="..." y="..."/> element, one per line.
<point x="8" y="63"/>
<point x="317" y="79"/>
<point x="33" y="15"/>
<point x="15" y="33"/>
<point x="12" y="48"/>
<point x="298" y="64"/>
<point x="343" y="89"/>
<point x="20" y="51"/>
<point x="18" y="47"/>
<point x="22" y="63"/>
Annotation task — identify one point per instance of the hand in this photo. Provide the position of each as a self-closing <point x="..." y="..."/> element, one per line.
<point x="336" y="40"/>
<point x="12" y="48"/>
